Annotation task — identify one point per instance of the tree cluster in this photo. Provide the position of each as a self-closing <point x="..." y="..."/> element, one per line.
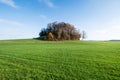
<point x="59" y="31"/>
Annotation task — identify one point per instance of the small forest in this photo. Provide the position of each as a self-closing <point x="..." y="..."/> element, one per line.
<point x="59" y="31"/>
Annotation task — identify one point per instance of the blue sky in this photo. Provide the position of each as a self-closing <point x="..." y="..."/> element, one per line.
<point x="25" y="18"/>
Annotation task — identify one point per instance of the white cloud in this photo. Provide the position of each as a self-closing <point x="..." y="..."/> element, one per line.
<point x="9" y="3"/>
<point x="49" y="3"/>
<point x="14" y="23"/>
<point x="107" y="33"/>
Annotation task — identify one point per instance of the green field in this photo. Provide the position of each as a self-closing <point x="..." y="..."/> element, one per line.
<point x="72" y="60"/>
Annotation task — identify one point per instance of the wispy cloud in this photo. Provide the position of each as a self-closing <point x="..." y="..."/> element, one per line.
<point x="49" y="3"/>
<point x="44" y="17"/>
<point x="44" y="20"/>
<point x="10" y="22"/>
<point x="9" y="3"/>
<point x="106" y="33"/>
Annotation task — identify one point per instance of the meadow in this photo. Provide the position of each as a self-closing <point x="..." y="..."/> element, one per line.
<point x="60" y="60"/>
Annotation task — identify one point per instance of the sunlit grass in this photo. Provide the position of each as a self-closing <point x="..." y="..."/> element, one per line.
<point x="72" y="60"/>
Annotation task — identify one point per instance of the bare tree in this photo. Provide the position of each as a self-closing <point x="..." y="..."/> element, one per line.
<point x="83" y="35"/>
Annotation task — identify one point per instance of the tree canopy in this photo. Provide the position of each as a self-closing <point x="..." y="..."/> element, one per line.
<point x="59" y="31"/>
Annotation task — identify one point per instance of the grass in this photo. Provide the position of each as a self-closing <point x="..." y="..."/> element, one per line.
<point x="72" y="60"/>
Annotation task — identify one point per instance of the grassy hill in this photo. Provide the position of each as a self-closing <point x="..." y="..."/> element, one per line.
<point x="72" y="60"/>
